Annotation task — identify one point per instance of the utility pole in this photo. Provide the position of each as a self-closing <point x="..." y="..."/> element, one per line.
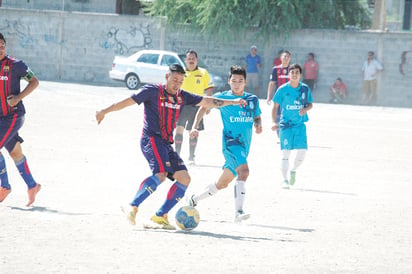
<point x="379" y="15"/>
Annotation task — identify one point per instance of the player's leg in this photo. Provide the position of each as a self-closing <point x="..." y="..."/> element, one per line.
<point x="193" y="140"/>
<point x="5" y="187"/>
<point x="284" y="167"/>
<point x="179" y="137"/>
<point x="301" y="145"/>
<point x="240" y="192"/>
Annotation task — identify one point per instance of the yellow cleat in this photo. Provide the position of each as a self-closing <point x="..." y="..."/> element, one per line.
<point x="130" y="213"/>
<point x="162" y="222"/>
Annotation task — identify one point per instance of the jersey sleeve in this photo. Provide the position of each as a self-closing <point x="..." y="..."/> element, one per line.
<point x="145" y="93"/>
<point x="191" y="98"/>
<point x="23" y="71"/>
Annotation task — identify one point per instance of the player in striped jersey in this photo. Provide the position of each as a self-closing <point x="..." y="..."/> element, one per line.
<point x="12" y="117"/>
<point x="162" y="105"/>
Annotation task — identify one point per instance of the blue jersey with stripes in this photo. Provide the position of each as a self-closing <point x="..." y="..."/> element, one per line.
<point x="162" y="109"/>
<point x="237" y="120"/>
<point x="290" y="101"/>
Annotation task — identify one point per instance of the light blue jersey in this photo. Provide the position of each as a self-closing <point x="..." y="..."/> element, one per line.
<point x="292" y="131"/>
<point x="237" y="128"/>
<point x="290" y="101"/>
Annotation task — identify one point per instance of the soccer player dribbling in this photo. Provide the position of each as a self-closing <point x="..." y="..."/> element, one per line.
<point x="162" y="104"/>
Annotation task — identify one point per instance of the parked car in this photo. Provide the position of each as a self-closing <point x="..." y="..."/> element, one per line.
<point x="151" y="66"/>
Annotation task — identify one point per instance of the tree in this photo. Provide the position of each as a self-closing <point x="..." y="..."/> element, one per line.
<point x="228" y="19"/>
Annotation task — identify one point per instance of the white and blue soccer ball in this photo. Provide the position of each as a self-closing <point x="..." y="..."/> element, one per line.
<point x="187" y="218"/>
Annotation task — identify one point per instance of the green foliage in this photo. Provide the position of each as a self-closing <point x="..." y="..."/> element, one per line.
<point x="231" y="19"/>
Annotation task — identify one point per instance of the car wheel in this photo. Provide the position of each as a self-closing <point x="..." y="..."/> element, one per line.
<point x="132" y="81"/>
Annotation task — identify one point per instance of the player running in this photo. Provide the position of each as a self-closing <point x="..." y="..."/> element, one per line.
<point x="162" y="105"/>
<point x="294" y="99"/>
<point x="12" y="118"/>
<point x="238" y="125"/>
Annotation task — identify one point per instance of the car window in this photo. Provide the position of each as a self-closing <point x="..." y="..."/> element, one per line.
<point x="168" y="60"/>
<point x="149" y="58"/>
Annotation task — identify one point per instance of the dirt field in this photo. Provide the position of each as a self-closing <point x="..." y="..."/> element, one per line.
<point x="349" y="212"/>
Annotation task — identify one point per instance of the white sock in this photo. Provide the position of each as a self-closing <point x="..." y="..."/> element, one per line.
<point x="284" y="166"/>
<point x="300" y="156"/>
<point x="240" y="192"/>
<point x="210" y="190"/>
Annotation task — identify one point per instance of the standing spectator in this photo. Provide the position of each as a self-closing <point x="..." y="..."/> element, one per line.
<point x="277" y="61"/>
<point x="12" y="117"/>
<point x="294" y="100"/>
<point x="253" y="63"/>
<point x="338" y="91"/>
<point x="310" y="71"/>
<point x="370" y="69"/>
<point x="196" y="81"/>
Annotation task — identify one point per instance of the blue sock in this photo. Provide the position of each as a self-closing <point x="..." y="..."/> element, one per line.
<point x="25" y="173"/>
<point x="176" y="192"/>
<point x="3" y="173"/>
<point x="147" y="187"/>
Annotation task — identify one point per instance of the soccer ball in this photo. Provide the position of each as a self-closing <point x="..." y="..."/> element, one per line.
<point x="187" y="218"/>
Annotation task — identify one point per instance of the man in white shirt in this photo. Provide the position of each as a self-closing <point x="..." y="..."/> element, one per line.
<point x="370" y="69"/>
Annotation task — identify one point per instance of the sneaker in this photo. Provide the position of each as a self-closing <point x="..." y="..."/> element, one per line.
<point x="3" y="193"/>
<point x="292" y="178"/>
<point x="130" y="213"/>
<point x="191" y="201"/>
<point x="285" y="184"/>
<point x="162" y="221"/>
<point x="241" y="216"/>
<point x="32" y="194"/>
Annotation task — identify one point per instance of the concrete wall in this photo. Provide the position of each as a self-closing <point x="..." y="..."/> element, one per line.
<point x="79" y="47"/>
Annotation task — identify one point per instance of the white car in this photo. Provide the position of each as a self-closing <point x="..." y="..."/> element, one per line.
<point x="150" y="66"/>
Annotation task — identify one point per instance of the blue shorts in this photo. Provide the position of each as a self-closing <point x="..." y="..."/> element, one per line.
<point x="161" y="156"/>
<point x="9" y="131"/>
<point x="235" y="156"/>
<point x="293" y="137"/>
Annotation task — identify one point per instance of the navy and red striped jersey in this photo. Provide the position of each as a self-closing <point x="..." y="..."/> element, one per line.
<point x="11" y="72"/>
<point x="161" y="109"/>
<point x="280" y="75"/>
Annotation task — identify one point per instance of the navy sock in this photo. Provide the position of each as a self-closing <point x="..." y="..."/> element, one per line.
<point x="25" y="173"/>
<point x="3" y="173"/>
<point x="147" y="187"/>
<point x="176" y="192"/>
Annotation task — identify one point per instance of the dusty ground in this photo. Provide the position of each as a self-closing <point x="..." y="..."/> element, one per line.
<point x="349" y="212"/>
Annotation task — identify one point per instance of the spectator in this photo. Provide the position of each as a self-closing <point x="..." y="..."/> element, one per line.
<point x="253" y="63"/>
<point x="338" y="91"/>
<point x="370" y="69"/>
<point x="310" y="71"/>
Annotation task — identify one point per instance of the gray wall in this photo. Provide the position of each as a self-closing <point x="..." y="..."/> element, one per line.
<point x="79" y="47"/>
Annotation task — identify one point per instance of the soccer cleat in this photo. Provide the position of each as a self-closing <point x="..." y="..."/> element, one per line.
<point x="241" y="216"/>
<point x="285" y="184"/>
<point x="162" y="221"/>
<point x="191" y="201"/>
<point x="292" y="178"/>
<point x="3" y="193"/>
<point x="130" y="213"/>
<point x="32" y="194"/>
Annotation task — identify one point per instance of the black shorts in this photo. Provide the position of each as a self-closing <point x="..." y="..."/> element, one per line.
<point x="187" y="118"/>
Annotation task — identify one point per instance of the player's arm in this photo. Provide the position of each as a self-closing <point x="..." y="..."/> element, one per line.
<point x="275" y="107"/>
<point x="212" y="102"/>
<point x="199" y="116"/>
<point x="114" y="107"/>
<point x="271" y="85"/>
<point x="257" y="122"/>
<point x="304" y="110"/>
<point x="33" y="83"/>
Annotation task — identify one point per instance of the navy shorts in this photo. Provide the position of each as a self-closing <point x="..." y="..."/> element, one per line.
<point x="187" y="117"/>
<point x="161" y="156"/>
<point x="9" y="131"/>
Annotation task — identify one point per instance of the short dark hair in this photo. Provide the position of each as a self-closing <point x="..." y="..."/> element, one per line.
<point x="237" y="70"/>
<point x="177" y="68"/>
<point x="2" y="38"/>
<point x="191" y="51"/>
<point x="311" y="54"/>
<point x="295" y="66"/>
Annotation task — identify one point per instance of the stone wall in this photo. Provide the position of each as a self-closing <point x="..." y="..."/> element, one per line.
<point x="80" y="47"/>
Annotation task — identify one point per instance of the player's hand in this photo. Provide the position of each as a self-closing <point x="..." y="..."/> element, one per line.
<point x="258" y="129"/>
<point x="194" y="133"/>
<point x="99" y="116"/>
<point x="241" y="102"/>
<point x="268" y="101"/>
<point x="12" y="100"/>
<point x="302" y="111"/>
<point x="275" y="126"/>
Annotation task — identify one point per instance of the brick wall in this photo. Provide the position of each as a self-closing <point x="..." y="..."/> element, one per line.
<point x="79" y="47"/>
